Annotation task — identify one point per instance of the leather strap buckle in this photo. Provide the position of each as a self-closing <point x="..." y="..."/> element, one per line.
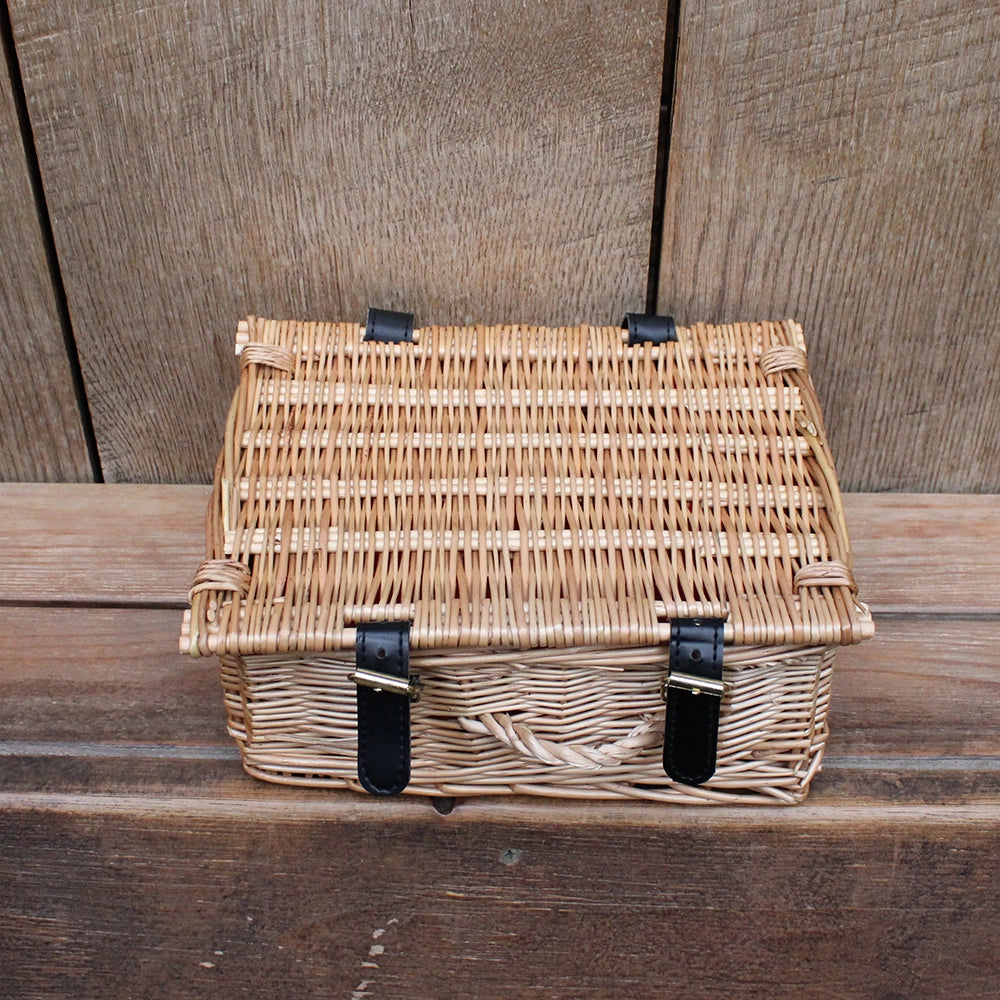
<point x="385" y="690"/>
<point x="694" y="684"/>
<point x="693" y="692"/>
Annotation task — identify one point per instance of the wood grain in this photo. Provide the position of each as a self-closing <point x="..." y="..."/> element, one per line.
<point x="133" y="544"/>
<point x="926" y="553"/>
<point x="102" y="676"/>
<point x="133" y="902"/>
<point x="139" y="860"/>
<point x="924" y="686"/>
<point x="120" y="545"/>
<point x="838" y="162"/>
<point x="42" y="436"/>
<point x="477" y="163"/>
<point x="108" y="687"/>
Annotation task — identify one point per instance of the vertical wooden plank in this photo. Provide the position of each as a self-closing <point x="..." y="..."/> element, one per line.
<point x="840" y="162"/>
<point x="205" y="160"/>
<point x="42" y="437"/>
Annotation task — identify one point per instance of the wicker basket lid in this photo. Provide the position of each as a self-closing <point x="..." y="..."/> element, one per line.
<point x="522" y="487"/>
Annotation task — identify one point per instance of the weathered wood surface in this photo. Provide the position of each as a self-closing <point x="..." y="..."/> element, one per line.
<point x="142" y="545"/>
<point x="42" y="436"/>
<point x="837" y="162"/>
<point x="471" y="162"/>
<point x="926" y="553"/>
<point x="261" y="905"/>
<point x="138" y="859"/>
<point x="107" y="686"/>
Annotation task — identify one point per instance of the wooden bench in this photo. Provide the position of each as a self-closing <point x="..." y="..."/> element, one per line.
<point x="139" y="861"/>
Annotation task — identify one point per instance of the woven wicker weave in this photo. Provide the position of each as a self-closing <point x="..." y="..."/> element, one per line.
<point x="540" y="504"/>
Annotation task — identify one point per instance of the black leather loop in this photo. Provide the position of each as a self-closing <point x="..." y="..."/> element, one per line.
<point x="389" y="327"/>
<point x="691" y="733"/>
<point x="383" y="717"/>
<point x="643" y="329"/>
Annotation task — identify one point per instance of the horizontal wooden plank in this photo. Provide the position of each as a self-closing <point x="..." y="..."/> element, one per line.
<point x="169" y="780"/>
<point x="123" y="544"/>
<point x="217" y="805"/>
<point x="920" y="553"/>
<point x="104" y="675"/>
<point x="99" y="701"/>
<point x="921" y="686"/>
<point x="925" y="552"/>
<point x="140" y="859"/>
<point x="131" y="902"/>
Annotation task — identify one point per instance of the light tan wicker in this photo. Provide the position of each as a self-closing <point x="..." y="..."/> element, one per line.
<point x="540" y="504"/>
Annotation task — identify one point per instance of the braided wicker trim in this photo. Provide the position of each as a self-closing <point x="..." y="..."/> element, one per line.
<point x="227" y="575"/>
<point x="825" y="574"/>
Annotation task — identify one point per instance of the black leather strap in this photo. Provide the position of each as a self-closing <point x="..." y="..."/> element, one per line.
<point x="643" y="329"/>
<point x="691" y="733"/>
<point x="389" y="327"/>
<point x="383" y="717"/>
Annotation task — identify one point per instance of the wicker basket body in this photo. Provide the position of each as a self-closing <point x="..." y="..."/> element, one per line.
<point x="539" y="504"/>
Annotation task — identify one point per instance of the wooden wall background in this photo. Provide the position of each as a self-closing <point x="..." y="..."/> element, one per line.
<point x="42" y="435"/>
<point x="200" y="160"/>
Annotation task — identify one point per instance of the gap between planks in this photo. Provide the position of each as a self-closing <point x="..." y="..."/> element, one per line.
<point x="545" y="813"/>
<point x="875" y="763"/>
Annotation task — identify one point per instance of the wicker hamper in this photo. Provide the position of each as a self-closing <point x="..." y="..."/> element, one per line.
<point x="587" y="562"/>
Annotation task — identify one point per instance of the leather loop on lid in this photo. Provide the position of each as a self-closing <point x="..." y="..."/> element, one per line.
<point x="644" y="329"/>
<point x="389" y="327"/>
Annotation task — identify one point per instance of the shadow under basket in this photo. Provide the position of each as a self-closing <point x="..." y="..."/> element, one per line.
<point x="542" y="514"/>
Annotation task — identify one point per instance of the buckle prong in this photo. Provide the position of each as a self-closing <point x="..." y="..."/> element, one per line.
<point x="386" y="682"/>
<point x="693" y="685"/>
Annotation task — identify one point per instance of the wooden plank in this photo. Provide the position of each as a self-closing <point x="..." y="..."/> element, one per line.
<point x="100" y="701"/>
<point x="923" y="553"/>
<point x="472" y="163"/>
<point x="837" y="162"/>
<point x="130" y="903"/>
<point x="102" y="676"/>
<point x="121" y="545"/>
<point x="43" y="437"/>
<point x="922" y="686"/>
<point x="139" y="860"/>
<point x="129" y="544"/>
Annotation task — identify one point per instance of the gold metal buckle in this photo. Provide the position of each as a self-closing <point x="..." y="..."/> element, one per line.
<point x="387" y="682"/>
<point x="693" y="685"/>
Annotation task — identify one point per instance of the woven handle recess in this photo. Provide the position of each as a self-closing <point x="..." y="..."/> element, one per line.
<point x="518" y="736"/>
